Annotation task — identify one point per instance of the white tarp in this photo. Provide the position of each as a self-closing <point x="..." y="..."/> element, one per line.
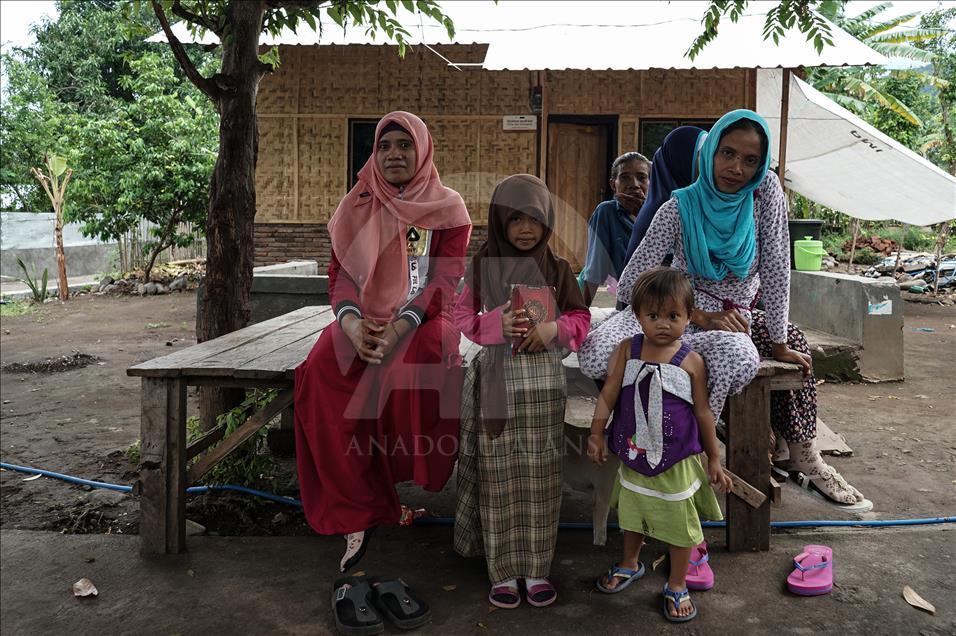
<point x="838" y="160"/>
<point x="594" y="35"/>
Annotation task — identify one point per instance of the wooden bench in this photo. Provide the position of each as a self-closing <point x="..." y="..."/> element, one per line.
<point x="266" y="354"/>
<point x="263" y="355"/>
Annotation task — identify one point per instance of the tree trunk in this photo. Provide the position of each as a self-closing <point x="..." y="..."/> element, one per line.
<point x="62" y="283"/>
<point x="225" y="303"/>
<point x="165" y="240"/>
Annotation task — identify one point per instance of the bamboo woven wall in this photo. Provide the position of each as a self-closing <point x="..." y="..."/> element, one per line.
<point x="304" y="109"/>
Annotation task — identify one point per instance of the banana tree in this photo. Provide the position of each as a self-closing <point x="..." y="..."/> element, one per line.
<point x="54" y="182"/>
<point x="855" y="89"/>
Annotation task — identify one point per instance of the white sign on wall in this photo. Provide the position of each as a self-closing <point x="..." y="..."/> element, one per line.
<point x="519" y="122"/>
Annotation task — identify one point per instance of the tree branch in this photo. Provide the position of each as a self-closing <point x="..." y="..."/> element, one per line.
<point x="23" y="200"/>
<point x="281" y="4"/>
<point x="197" y="78"/>
<point x="204" y="22"/>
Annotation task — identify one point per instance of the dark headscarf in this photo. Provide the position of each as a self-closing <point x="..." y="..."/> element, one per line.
<point x="673" y="168"/>
<point x="498" y="265"/>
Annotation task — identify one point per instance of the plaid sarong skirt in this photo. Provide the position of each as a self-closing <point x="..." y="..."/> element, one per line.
<point x="509" y="487"/>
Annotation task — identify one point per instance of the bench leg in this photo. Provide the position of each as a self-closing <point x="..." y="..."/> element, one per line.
<point x="748" y="432"/>
<point x="162" y="469"/>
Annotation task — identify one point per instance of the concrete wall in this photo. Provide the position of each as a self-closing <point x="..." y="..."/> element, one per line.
<point x="865" y="311"/>
<point x="29" y="236"/>
<point x="284" y="287"/>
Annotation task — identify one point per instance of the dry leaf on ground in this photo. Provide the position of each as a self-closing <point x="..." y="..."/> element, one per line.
<point x="916" y="600"/>
<point x="32" y="478"/>
<point x="449" y="588"/>
<point x="84" y="587"/>
<point x="657" y="562"/>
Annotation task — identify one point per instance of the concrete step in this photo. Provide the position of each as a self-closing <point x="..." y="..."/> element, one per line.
<point x="834" y="358"/>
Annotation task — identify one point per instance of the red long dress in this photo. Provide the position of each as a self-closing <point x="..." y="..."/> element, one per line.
<point x="360" y="428"/>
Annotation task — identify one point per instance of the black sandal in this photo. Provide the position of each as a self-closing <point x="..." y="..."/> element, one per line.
<point x="351" y="607"/>
<point x="399" y="603"/>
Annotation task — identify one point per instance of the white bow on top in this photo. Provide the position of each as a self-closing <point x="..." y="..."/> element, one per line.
<point x="649" y="432"/>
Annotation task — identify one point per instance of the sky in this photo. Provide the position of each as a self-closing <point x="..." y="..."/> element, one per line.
<point x="16" y="16"/>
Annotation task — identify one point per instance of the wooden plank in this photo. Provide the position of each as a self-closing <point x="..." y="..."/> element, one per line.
<point x="204" y="442"/>
<point x="745" y="491"/>
<point x="281" y="363"/>
<point x="789" y="382"/>
<point x="287" y="423"/>
<point x="162" y="468"/>
<point x="748" y="436"/>
<point x="238" y="436"/>
<point x="769" y="367"/>
<point x="784" y="124"/>
<point x="172" y="364"/>
<point x="224" y="382"/>
<point x="226" y="362"/>
<point x="775" y="493"/>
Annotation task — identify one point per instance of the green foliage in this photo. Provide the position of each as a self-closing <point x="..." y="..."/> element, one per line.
<point x="142" y="140"/>
<point x="866" y="91"/>
<point x="249" y="464"/>
<point x="866" y="256"/>
<point x="150" y="159"/>
<point x="833" y="243"/>
<point x="72" y="71"/>
<point x="804" y="14"/>
<point x="908" y="87"/>
<point x="133" y="450"/>
<point x="374" y="16"/>
<point x="10" y="308"/>
<point x="938" y="143"/>
<point x="917" y="239"/>
<point x="37" y="285"/>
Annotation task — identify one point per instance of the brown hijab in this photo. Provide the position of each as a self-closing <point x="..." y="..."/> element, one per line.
<point x="498" y="265"/>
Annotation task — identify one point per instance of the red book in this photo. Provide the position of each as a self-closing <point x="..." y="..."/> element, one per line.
<point x="539" y="305"/>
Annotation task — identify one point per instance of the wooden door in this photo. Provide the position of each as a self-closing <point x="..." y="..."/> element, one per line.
<point x="577" y="177"/>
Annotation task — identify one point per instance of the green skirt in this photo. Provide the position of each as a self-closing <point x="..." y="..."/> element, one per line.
<point x="668" y="506"/>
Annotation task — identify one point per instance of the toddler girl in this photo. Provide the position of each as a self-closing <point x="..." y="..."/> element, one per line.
<point x="662" y="420"/>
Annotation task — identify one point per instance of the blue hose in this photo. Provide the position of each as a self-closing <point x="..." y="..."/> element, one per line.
<point x="446" y="521"/>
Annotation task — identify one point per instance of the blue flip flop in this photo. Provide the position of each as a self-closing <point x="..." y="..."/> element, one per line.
<point x="627" y="574"/>
<point x="677" y="598"/>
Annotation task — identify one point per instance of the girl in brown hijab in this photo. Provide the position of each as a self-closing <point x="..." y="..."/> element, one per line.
<point x="509" y="463"/>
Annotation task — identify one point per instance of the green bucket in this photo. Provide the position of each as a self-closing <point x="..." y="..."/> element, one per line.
<point x="808" y="254"/>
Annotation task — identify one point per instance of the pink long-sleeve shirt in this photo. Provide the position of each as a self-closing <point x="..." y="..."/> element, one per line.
<point x="484" y="328"/>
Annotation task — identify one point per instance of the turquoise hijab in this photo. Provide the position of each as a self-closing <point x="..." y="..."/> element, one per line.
<point x="718" y="228"/>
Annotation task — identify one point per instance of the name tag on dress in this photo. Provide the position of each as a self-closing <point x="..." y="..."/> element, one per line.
<point x="417" y="241"/>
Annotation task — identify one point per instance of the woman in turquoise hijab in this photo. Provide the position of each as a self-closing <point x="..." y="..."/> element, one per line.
<point x="728" y="231"/>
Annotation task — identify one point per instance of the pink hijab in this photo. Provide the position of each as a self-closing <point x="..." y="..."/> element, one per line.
<point x="369" y="227"/>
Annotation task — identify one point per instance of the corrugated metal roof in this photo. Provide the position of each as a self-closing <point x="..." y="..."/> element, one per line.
<point x="594" y="35"/>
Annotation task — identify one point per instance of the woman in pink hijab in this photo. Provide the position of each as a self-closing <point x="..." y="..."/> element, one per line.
<point x="377" y="400"/>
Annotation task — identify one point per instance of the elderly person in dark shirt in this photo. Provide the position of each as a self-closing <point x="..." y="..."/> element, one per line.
<point x="611" y="224"/>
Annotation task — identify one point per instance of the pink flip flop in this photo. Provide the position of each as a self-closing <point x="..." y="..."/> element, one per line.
<point x="699" y="575"/>
<point x="813" y="571"/>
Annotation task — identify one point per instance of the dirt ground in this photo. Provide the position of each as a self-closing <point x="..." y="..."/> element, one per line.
<point x="82" y="421"/>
